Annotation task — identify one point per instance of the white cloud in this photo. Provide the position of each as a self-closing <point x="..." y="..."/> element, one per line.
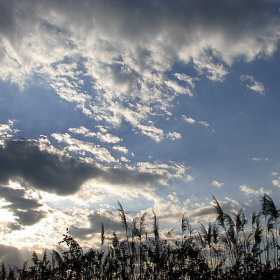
<point x="253" y="84"/>
<point x="102" y="128"/>
<point x="193" y="121"/>
<point x="120" y="112"/>
<point x="186" y="78"/>
<point x="108" y="138"/>
<point x="76" y="145"/>
<point x="189" y="120"/>
<point x="147" y="166"/>
<point x="248" y="202"/>
<point x="217" y="184"/>
<point x="171" y="170"/>
<point x="203" y="123"/>
<point x="124" y="159"/>
<point x="177" y="88"/>
<point x="214" y="71"/>
<point x="249" y="191"/>
<point x="152" y="131"/>
<point x="121" y="149"/>
<point x="174" y="135"/>
<point x="173" y="197"/>
<point x="276" y="183"/>
<point x="7" y="131"/>
<point x="4" y="128"/>
<point x="190" y="178"/>
<point x="103" y="137"/>
<point x="82" y="130"/>
<point x="260" y="159"/>
<point x="66" y="81"/>
<point x="234" y="203"/>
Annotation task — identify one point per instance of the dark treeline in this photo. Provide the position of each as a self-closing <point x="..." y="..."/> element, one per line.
<point x="228" y="248"/>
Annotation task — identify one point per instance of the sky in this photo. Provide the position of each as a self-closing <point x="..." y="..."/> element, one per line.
<point x="159" y="105"/>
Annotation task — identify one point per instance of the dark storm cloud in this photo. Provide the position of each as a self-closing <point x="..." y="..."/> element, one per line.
<point x="204" y="211"/>
<point x="63" y="175"/>
<point x="43" y="170"/>
<point x="227" y="206"/>
<point x="16" y="197"/>
<point x="138" y="17"/>
<point x="111" y="222"/>
<point x="175" y="23"/>
<point x="181" y="23"/>
<point x="116" y="176"/>
<point x="26" y="210"/>
<point x="142" y="21"/>
<point x="7" y="23"/>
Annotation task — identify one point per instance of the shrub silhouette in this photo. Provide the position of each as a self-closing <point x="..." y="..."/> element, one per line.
<point x="226" y="248"/>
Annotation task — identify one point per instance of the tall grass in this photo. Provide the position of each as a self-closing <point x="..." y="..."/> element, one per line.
<point x="227" y="248"/>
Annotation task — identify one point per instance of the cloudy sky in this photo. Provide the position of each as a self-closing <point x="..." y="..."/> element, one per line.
<point x="156" y="104"/>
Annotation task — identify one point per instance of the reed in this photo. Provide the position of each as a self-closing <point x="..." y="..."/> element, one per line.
<point x="226" y="248"/>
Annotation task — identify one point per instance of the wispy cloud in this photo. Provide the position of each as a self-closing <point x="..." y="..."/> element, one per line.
<point x="214" y="71"/>
<point x="260" y="159"/>
<point x="186" y="78"/>
<point x="172" y="169"/>
<point x="249" y="191"/>
<point x="217" y="184"/>
<point x="193" y="121"/>
<point x="75" y="145"/>
<point x="102" y="136"/>
<point x="253" y="84"/>
<point x="82" y="130"/>
<point x="177" y="88"/>
<point x="189" y="120"/>
<point x="156" y="133"/>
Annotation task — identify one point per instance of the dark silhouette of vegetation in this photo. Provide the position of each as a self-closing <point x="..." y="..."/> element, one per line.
<point x="228" y="248"/>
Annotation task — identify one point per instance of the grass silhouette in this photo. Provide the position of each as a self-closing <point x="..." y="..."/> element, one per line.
<point x="227" y="248"/>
